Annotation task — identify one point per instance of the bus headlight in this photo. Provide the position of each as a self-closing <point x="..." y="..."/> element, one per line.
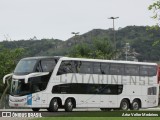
<point x="18" y="100"/>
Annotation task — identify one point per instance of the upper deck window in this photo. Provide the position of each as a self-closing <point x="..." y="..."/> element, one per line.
<point x="131" y="70"/>
<point x="45" y="65"/>
<point x="147" y="70"/>
<point x="116" y="69"/>
<point x="25" y="66"/>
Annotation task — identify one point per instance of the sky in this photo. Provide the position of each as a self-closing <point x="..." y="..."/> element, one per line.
<point x="24" y="19"/>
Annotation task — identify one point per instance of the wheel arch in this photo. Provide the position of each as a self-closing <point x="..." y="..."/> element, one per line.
<point x="73" y="100"/>
<point x="125" y="99"/>
<point x="59" y="101"/>
<point x="138" y="99"/>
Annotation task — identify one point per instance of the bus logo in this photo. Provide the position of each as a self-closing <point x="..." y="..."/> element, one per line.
<point x="6" y="114"/>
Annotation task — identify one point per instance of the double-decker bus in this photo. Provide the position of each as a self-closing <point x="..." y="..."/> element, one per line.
<point x="62" y="82"/>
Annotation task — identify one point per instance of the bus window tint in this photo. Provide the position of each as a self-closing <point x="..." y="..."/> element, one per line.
<point x="83" y="88"/>
<point x="96" y="68"/>
<point x="111" y="89"/>
<point x="79" y="88"/>
<point x="86" y="67"/>
<point x="146" y="70"/>
<point x="104" y="68"/>
<point x="67" y="67"/>
<point x="120" y="89"/>
<point x="48" y="65"/>
<point x="152" y="91"/>
<point x="64" y="88"/>
<point x="132" y="70"/>
<point x="25" y="66"/>
<point x="116" y="69"/>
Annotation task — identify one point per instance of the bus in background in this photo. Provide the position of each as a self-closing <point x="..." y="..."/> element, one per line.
<point x="62" y="82"/>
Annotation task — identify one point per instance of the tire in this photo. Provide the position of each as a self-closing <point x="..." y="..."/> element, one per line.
<point x="124" y="104"/>
<point x="135" y="105"/>
<point x="35" y="109"/>
<point x="53" y="107"/>
<point x="69" y="105"/>
<point x="105" y="109"/>
<point x="48" y="110"/>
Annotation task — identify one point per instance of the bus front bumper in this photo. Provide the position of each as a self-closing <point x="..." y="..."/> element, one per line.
<point x="18" y="101"/>
<point x="17" y="104"/>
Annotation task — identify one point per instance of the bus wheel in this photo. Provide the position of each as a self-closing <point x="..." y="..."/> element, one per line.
<point x="35" y="109"/>
<point x="68" y="105"/>
<point x="105" y="109"/>
<point x="124" y="104"/>
<point x="53" y="107"/>
<point x="135" y="105"/>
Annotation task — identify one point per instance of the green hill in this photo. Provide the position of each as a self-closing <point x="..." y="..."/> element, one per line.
<point x="139" y="38"/>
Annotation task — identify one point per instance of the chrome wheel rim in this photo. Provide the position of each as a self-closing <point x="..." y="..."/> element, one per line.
<point x="55" y="104"/>
<point x="124" y="106"/>
<point x="70" y="105"/>
<point x="135" y="106"/>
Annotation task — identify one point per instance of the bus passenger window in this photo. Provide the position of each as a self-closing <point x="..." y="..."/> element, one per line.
<point x="96" y="68"/>
<point x="104" y="68"/>
<point x="117" y="69"/>
<point x="120" y="89"/>
<point x="152" y="91"/>
<point x="64" y="88"/>
<point x="86" y="68"/>
<point x="67" y="67"/>
<point x="147" y="70"/>
<point x="48" y="65"/>
<point x="55" y="89"/>
<point x="131" y="70"/>
<point x="39" y="67"/>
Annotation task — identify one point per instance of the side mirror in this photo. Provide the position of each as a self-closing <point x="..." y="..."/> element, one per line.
<point x="6" y="76"/>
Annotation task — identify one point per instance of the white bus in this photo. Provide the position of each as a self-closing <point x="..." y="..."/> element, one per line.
<point x="62" y="82"/>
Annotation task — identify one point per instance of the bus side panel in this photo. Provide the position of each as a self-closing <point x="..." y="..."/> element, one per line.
<point x="36" y="100"/>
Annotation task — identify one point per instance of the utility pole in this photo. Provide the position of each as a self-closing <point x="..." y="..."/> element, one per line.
<point x="75" y="34"/>
<point x="127" y="50"/>
<point x="114" y="35"/>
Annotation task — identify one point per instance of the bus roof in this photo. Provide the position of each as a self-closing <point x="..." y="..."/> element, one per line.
<point x="109" y="61"/>
<point x="88" y="59"/>
<point x="42" y="57"/>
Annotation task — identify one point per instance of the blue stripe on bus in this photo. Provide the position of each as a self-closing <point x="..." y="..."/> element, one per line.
<point x="29" y="99"/>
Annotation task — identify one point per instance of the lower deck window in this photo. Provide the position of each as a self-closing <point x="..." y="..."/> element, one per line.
<point x="152" y="91"/>
<point x="81" y="88"/>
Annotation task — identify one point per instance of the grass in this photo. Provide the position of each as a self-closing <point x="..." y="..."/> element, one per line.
<point x="99" y="118"/>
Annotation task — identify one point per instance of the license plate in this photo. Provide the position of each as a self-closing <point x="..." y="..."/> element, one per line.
<point x="16" y="105"/>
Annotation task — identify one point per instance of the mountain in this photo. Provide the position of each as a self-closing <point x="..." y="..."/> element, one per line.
<point x="139" y="39"/>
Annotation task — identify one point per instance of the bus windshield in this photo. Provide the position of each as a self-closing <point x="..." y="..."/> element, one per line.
<point x="25" y="66"/>
<point x="18" y="87"/>
<point x="35" y="84"/>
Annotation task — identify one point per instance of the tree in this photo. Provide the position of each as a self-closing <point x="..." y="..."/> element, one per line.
<point x="100" y="49"/>
<point x="155" y="7"/>
<point x="80" y="50"/>
<point x="8" y="60"/>
<point x="104" y="49"/>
